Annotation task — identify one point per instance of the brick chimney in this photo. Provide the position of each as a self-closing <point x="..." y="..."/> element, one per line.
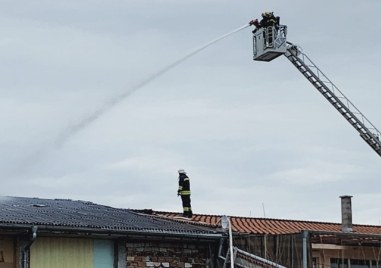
<point x="346" y="213"/>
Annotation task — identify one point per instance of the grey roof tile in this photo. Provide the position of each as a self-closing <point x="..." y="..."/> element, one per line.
<point x="61" y="213"/>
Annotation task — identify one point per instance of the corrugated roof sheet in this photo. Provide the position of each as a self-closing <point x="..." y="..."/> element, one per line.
<point x="61" y="213"/>
<point x="274" y="226"/>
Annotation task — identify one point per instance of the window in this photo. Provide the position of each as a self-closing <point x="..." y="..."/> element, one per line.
<point x="376" y="264"/>
<point x="360" y="263"/>
<point x="354" y="263"/>
<point x="339" y="263"/>
<point x="315" y="262"/>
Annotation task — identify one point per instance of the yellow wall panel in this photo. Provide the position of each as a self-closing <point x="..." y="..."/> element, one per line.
<point x="61" y="253"/>
<point x="6" y="253"/>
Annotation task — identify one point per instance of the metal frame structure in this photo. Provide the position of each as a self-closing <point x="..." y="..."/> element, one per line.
<point x="370" y="134"/>
<point x="269" y="43"/>
<point x="342" y="104"/>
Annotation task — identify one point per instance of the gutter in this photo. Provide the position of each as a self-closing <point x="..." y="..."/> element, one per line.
<point x="122" y="232"/>
<point x="26" y="248"/>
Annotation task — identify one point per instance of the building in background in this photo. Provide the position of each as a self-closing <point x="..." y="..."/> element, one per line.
<point x="302" y="244"/>
<point x="55" y="233"/>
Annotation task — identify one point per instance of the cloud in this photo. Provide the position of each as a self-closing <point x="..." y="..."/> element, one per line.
<point x="250" y="134"/>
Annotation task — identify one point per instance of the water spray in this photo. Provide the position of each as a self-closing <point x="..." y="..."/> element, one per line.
<point x="30" y="160"/>
<point x="71" y="130"/>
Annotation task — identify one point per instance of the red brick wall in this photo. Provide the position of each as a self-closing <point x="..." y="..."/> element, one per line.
<point x="167" y="254"/>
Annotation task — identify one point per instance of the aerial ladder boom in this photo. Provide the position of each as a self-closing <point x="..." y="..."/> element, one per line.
<point x="269" y="46"/>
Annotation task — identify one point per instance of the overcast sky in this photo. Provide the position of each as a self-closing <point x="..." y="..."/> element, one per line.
<point x="255" y="138"/>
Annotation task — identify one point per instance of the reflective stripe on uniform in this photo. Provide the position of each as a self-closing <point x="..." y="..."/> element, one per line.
<point x="185" y="192"/>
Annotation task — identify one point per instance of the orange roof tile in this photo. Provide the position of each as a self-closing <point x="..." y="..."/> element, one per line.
<point x="272" y="226"/>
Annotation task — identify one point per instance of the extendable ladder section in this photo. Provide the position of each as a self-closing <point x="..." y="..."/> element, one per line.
<point x="367" y="130"/>
<point x="227" y="258"/>
<point x="245" y="259"/>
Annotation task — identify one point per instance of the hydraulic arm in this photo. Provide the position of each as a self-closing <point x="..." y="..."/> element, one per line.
<point x="338" y="100"/>
<point x="269" y="43"/>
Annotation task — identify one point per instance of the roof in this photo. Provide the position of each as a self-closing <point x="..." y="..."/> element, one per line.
<point x="66" y="214"/>
<point x="250" y="225"/>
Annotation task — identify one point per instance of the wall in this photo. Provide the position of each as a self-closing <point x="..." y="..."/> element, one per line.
<point x="103" y="254"/>
<point x="48" y="252"/>
<point x="168" y="254"/>
<point x="58" y="252"/>
<point x="323" y="254"/>
<point x="7" y="256"/>
<point x="285" y="250"/>
<point x="65" y="252"/>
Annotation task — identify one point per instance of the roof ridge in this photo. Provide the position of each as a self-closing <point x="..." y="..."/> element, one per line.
<point x="261" y="218"/>
<point x="49" y="199"/>
<point x="236" y="217"/>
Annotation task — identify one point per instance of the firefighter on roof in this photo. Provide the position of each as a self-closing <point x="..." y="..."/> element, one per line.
<point x="184" y="192"/>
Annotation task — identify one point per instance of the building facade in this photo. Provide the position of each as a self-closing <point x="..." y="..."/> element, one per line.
<point x="56" y="233"/>
<point x="303" y="244"/>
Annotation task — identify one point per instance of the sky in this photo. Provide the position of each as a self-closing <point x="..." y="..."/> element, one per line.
<point x="256" y="138"/>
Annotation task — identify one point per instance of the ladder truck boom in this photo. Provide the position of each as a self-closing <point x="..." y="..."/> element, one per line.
<point x="271" y="42"/>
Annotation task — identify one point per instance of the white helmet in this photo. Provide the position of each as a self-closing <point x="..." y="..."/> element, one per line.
<point x="181" y="171"/>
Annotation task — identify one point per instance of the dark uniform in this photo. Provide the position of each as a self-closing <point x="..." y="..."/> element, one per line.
<point x="269" y="20"/>
<point x="184" y="192"/>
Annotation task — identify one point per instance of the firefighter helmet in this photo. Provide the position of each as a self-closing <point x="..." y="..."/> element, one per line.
<point x="181" y="171"/>
<point x="267" y="14"/>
